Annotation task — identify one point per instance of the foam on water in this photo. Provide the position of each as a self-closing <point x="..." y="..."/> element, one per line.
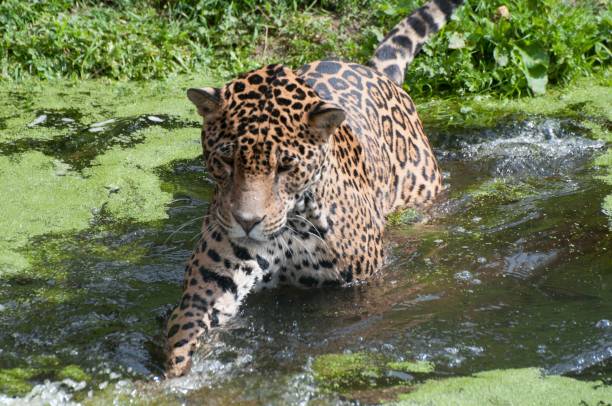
<point x="45" y="394"/>
<point x="535" y="147"/>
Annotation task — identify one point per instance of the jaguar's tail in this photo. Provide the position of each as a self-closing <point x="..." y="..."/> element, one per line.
<point x="405" y="40"/>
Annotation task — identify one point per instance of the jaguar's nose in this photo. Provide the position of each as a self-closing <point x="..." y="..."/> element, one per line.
<point x="246" y="221"/>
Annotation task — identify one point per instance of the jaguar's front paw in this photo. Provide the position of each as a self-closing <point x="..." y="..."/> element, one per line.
<point x="177" y="365"/>
<point x="182" y="334"/>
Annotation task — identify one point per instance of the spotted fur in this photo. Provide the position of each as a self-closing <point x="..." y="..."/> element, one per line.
<point x="406" y="39"/>
<point x="307" y="164"/>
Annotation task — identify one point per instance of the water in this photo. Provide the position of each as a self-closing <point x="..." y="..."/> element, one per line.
<point x="514" y="269"/>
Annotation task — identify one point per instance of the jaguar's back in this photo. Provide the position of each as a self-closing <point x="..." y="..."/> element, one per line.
<point x="398" y="162"/>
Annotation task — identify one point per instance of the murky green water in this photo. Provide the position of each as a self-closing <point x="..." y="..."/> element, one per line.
<point x="513" y="270"/>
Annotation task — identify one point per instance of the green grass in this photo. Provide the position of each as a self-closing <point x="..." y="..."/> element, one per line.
<point x="543" y="42"/>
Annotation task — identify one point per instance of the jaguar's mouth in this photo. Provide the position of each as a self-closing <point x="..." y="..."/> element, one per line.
<point x="262" y="233"/>
<point x="246" y="240"/>
<point x="268" y="237"/>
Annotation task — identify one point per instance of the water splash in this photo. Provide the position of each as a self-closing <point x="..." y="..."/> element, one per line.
<point x="544" y="147"/>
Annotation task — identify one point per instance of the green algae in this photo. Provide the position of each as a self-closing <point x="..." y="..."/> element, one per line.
<point x="404" y="217"/>
<point x="46" y="361"/>
<point x="342" y="371"/>
<point x="122" y="180"/>
<point x="500" y="191"/>
<point x="416" y="367"/>
<point x="57" y="294"/>
<point x="46" y="201"/>
<point x="588" y="100"/>
<point x="358" y="376"/>
<point x="14" y="382"/>
<point x="44" y="196"/>
<point x="132" y="189"/>
<point x="75" y="373"/>
<point x="36" y="201"/>
<point x="97" y="100"/>
<point x="18" y="381"/>
<point x="361" y="370"/>
<point x="526" y="386"/>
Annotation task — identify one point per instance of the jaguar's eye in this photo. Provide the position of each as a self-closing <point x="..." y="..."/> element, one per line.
<point x="286" y="164"/>
<point x="226" y="154"/>
<point x="228" y="160"/>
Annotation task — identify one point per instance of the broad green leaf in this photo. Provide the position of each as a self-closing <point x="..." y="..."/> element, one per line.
<point x="534" y="64"/>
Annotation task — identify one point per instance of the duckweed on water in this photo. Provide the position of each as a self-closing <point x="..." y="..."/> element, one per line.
<point x="14" y="382"/>
<point x="363" y="371"/>
<point x="344" y="372"/>
<point x="42" y="196"/>
<point x="500" y="191"/>
<point x="75" y="373"/>
<point x="52" y="206"/>
<point x="588" y="100"/>
<point x="416" y="367"/>
<point x="403" y="217"/>
<point x="37" y="201"/>
<point x="17" y="381"/>
<point x="508" y="387"/>
<point x="97" y="100"/>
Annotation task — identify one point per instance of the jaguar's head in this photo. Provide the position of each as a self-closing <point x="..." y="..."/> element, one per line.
<point x="266" y="137"/>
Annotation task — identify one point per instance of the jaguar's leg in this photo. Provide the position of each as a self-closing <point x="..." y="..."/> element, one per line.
<point x="214" y="287"/>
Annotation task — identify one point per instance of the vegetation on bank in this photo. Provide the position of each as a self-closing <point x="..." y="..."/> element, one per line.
<point x="512" y="51"/>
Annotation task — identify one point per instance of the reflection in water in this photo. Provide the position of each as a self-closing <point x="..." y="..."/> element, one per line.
<point x="514" y="270"/>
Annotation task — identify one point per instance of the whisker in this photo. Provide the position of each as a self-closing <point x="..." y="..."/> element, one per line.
<point x="319" y="237"/>
<point x="297" y="240"/>
<point x="222" y="220"/>
<point x="283" y="242"/>
<point x="182" y="226"/>
<point x="309" y="222"/>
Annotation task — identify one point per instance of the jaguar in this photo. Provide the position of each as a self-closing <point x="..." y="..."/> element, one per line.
<point x="307" y="164"/>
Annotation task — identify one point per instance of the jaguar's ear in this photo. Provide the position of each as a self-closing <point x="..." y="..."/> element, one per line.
<point x="207" y="100"/>
<point x="326" y="117"/>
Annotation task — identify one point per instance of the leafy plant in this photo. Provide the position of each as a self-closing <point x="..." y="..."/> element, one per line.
<point x="535" y="44"/>
<point x="539" y="42"/>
